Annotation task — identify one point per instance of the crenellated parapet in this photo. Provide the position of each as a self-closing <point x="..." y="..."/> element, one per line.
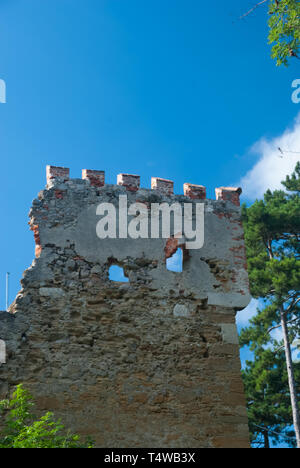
<point x="133" y="183"/>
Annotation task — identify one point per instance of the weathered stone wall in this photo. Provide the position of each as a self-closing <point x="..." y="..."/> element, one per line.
<point x="149" y="363"/>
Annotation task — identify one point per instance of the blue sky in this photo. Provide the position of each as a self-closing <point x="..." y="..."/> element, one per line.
<point x="169" y="88"/>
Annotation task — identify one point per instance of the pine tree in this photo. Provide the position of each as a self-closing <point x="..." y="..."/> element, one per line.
<point x="268" y="398"/>
<point x="272" y="235"/>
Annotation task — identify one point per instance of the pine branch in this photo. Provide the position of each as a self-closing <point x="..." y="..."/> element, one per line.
<point x="274" y="432"/>
<point x="278" y="326"/>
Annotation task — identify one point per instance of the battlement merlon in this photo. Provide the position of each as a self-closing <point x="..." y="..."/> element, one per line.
<point x="65" y="214"/>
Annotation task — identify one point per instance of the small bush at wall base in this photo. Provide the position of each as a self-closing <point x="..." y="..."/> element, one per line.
<point x="23" y="430"/>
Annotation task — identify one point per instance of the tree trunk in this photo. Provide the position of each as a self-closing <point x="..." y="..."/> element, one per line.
<point x="266" y="440"/>
<point x="291" y="377"/>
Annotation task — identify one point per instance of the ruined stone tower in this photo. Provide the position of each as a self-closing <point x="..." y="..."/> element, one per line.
<point x="149" y="363"/>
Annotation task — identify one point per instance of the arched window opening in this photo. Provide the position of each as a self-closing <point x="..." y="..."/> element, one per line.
<point x="116" y="273"/>
<point x="175" y="262"/>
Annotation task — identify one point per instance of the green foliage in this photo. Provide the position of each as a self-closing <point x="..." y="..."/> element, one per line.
<point x="272" y="236"/>
<point x="268" y="400"/>
<point x="293" y="183"/>
<point x="23" y="431"/>
<point x="284" y="24"/>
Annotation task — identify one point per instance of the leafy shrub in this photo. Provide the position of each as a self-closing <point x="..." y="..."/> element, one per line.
<point x="22" y="430"/>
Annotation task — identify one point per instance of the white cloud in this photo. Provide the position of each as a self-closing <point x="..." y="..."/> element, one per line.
<point x="271" y="169"/>
<point x="277" y="334"/>
<point x="243" y="317"/>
